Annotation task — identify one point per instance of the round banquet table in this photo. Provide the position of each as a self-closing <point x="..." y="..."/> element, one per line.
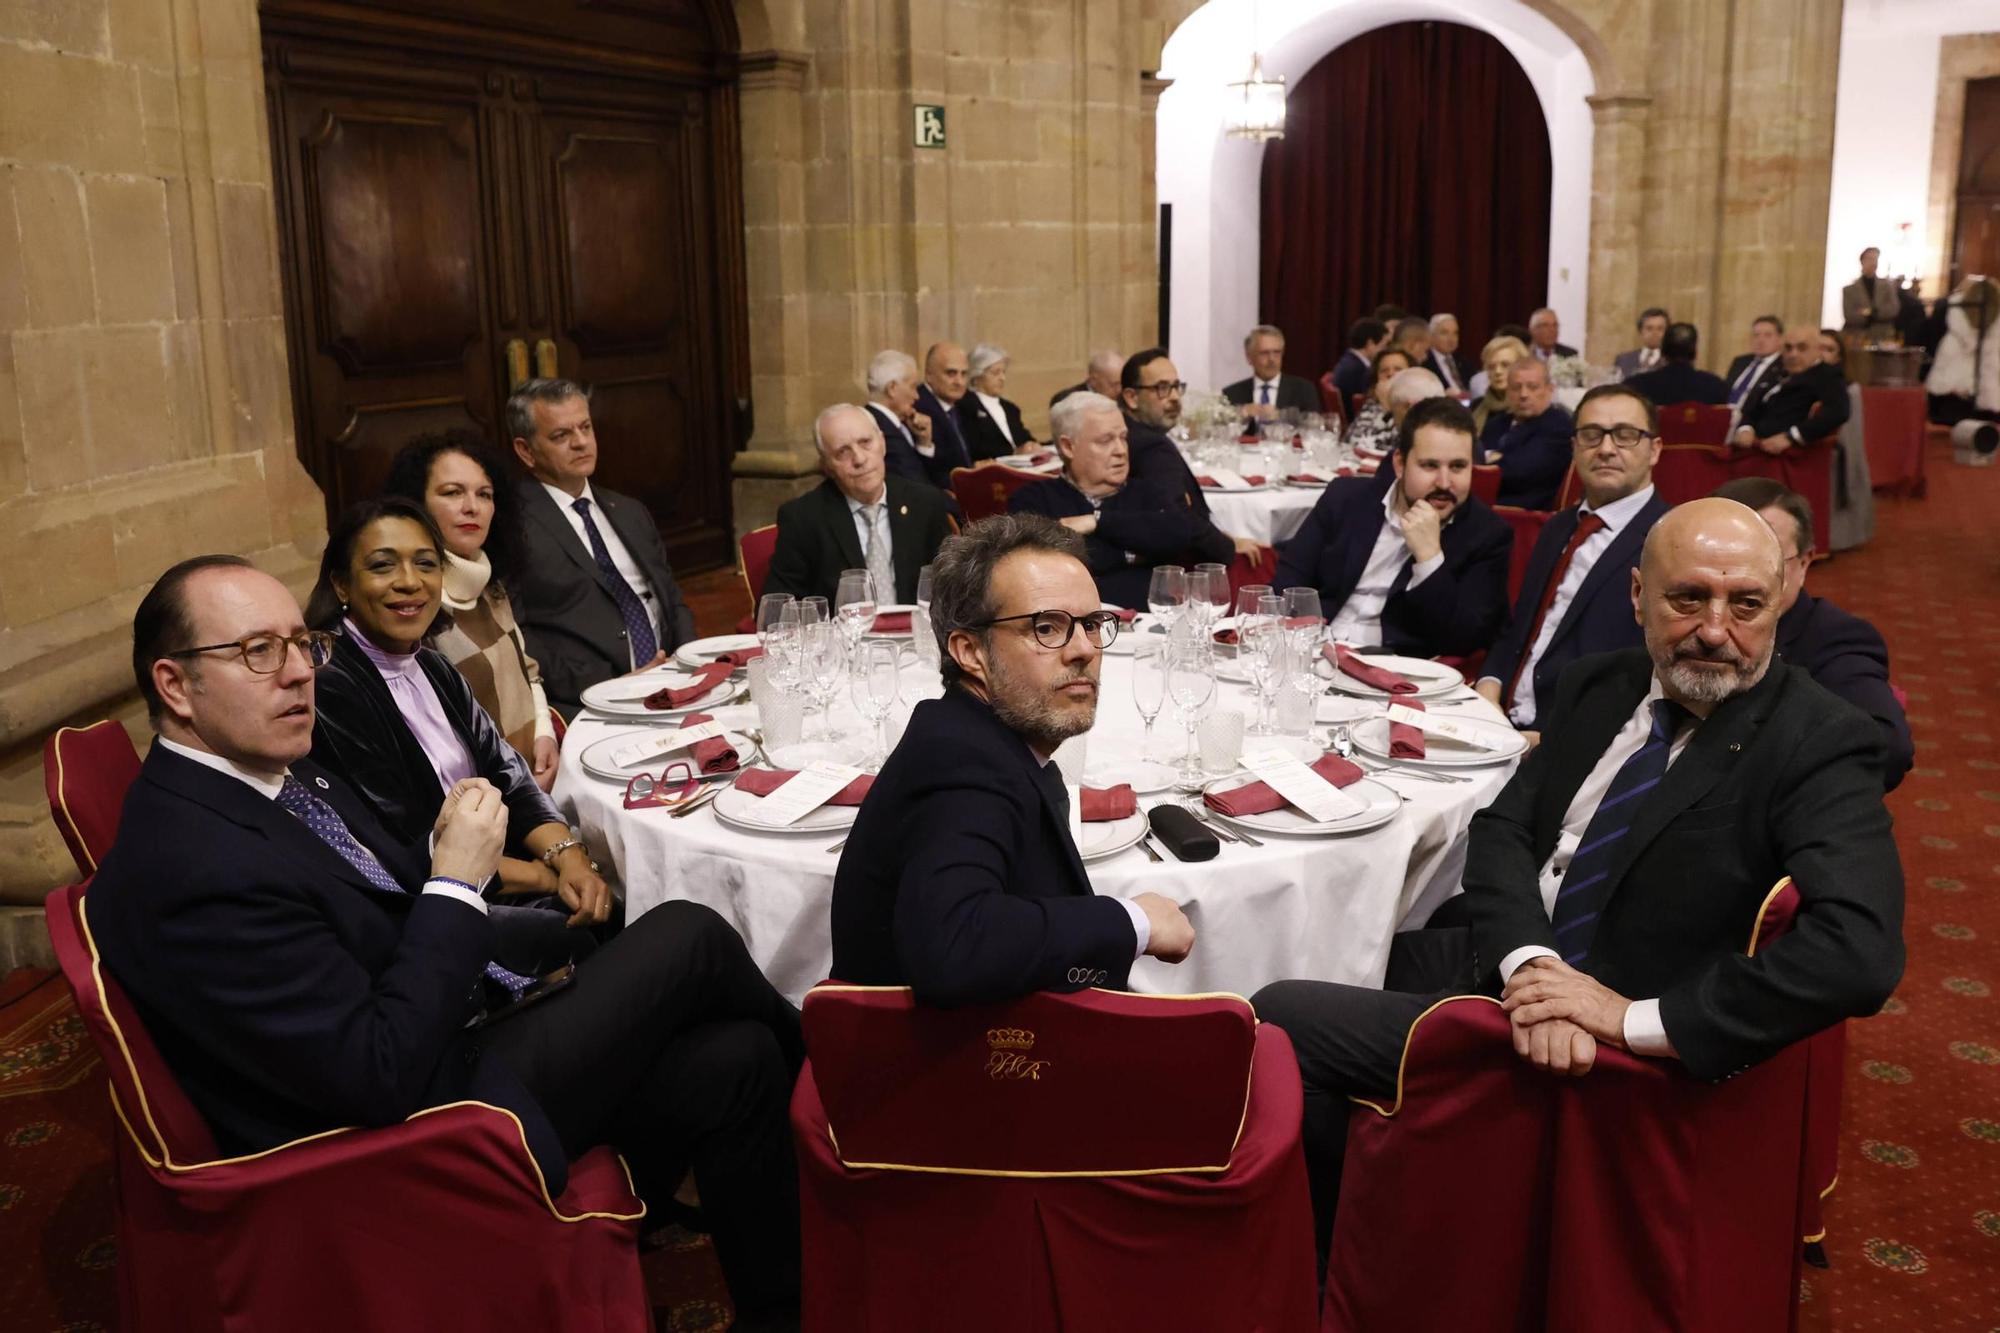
<point x="1268" y="517"/>
<point x="1322" y="908"/>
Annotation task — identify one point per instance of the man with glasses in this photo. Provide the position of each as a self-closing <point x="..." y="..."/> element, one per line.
<point x="960" y="878"/>
<point x="301" y="970"/>
<point x="1574" y="598"/>
<point x="1150" y="391"/>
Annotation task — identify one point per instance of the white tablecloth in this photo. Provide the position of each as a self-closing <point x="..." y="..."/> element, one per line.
<point x="1323" y="908"/>
<point x="1268" y="517"/>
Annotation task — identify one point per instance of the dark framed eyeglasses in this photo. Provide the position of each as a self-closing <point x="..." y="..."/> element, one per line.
<point x="1164" y="387"/>
<point x="1054" y="629"/>
<point x="265" y="653"/>
<point x="1625" y="437"/>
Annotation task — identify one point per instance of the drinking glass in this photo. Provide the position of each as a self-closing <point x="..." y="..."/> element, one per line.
<point x="923" y="636"/>
<point x="1208" y="592"/>
<point x="784" y="646"/>
<point x="1149" y="687"/>
<point x="1261" y="638"/>
<point x="1167" y="592"/>
<point x="813" y="611"/>
<point x="1190" y="684"/>
<point x="825" y="655"/>
<point x="874" y="685"/>
<point x="924" y="586"/>
<point x="854" y="605"/>
<point x="770" y="607"/>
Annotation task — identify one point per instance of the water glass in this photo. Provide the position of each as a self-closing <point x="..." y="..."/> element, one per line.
<point x="1221" y="734"/>
<point x="1167" y="592"/>
<point x="759" y="672"/>
<point x="1208" y="592"/>
<point x="923" y="641"/>
<point x="782" y="717"/>
<point x="770" y="609"/>
<point x="1190" y="684"/>
<point x="924" y="586"/>
<point x="854" y="603"/>
<point x="1298" y="696"/>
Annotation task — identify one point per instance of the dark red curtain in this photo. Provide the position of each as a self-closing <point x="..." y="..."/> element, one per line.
<point x="1414" y="169"/>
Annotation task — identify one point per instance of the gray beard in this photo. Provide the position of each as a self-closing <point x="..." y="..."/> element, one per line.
<point x="1032" y="716"/>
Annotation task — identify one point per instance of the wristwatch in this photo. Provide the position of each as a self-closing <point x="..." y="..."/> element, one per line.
<point x="550" y="854"/>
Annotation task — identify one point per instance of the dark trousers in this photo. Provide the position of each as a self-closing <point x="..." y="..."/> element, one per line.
<point x="671" y="1047"/>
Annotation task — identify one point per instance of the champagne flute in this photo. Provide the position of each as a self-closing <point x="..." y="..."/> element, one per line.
<point x="874" y="685"/>
<point x="1149" y="687"/>
<point x="1167" y="592"/>
<point x="1191" y="684"/>
<point x="1262" y="635"/>
<point x="854" y="605"/>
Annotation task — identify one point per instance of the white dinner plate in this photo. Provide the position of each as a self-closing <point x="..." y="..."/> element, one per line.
<point x="1371" y="737"/>
<point x="738" y="809"/>
<point x="1245" y="489"/>
<point x="1429" y="677"/>
<point x="1383" y="805"/>
<point x="700" y="652"/>
<point x="1144" y="776"/>
<point x="1111" y="836"/>
<point x="596" y="757"/>
<point x="1027" y="463"/>
<point x="625" y="696"/>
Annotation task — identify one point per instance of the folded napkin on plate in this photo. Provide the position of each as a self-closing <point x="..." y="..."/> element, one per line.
<point x="1406" y="741"/>
<point x="893" y="622"/>
<point x="1226" y="637"/>
<point x="1356" y="667"/>
<point x="1212" y="484"/>
<point x="764" y="781"/>
<point x="705" y="680"/>
<point x="1310" y="478"/>
<point x="1103" y="803"/>
<point x="714" y="755"/>
<point x="1041" y="456"/>
<point x="737" y="657"/>
<point x="1126" y="615"/>
<point x="1257" y="798"/>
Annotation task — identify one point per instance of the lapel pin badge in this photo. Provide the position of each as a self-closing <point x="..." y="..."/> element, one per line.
<point x="1735" y="746"/>
<point x="904" y="510"/>
<point x="321" y="784"/>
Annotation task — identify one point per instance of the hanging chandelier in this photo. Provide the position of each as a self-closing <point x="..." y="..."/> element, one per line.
<point x="1256" y="105"/>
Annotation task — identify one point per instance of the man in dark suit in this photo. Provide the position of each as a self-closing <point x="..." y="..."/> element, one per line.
<point x="301" y="971"/>
<point x="858" y="518"/>
<point x="1545" y="336"/>
<point x="1127" y="527"/>
<point x="910" y="450"/>
<point x="1575" y="597"/>
<point x="946" y="376"/>
<point x="1841" y="651"/>
<point x="1531" y="442"/>
<point x="595" y="595"/>
<point x="1613" y="882"/>
<point x="1760" y="370"/>
<point x="1100" y="376"/>
<point x="1809" y="404"/>
<point x="1150" y="390"/>
<point x="1444" y="360"/>
<point x="1676" y="379"/>
<point x="960" y="878"/>
<point x="1421" y="570"/>
<point x="1355" y="371"/>
<point x="1649" y="354"/>
<point x="1268" y="390"/>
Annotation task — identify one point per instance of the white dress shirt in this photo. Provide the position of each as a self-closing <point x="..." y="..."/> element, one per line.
<point x="999" y="414"/>
<point x="1258" y="388"/>
<point x="1649" y="357"/>
<point x="628" y="568"/>
<point x="1448" y="364"/>
<point x="268" y="786"/>
<point x="1359" y="621"/>
<point x="1748" y="379"/>
<point x="1644" y="1032"/>
<point x="1142" y="925"/>
<point x="1581" y="561"/>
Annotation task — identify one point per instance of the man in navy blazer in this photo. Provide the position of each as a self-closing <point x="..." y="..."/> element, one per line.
<point x="1531" y="442"/>
<point x="1677" y="379"/>
<point x="302" y="971"/>
<point x="946" y="377"/>
<point x="1421" y="569"/>
<point x="1150" y="390"/>
<point x="1808" y="405"/>
<point x="1268" y="390"/>
<point x="960" y="878"/>
<point x="1355" y="371"/>
<point x="1576" y="597"/>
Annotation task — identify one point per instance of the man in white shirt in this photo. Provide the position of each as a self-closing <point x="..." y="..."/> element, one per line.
<point x="1545" y="336"/>
<point x="1646" y="356"/>
<point x="1758" y="371"/>
<point x="1269" y="390"/>
<point x="1443" y="360"/>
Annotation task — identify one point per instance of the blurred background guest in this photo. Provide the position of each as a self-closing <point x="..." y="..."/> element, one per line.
<point x="1870" y="304"/>
<point x="891" y="381"/>
<point x="1269" y="390"/>
<point x="1545" y="336"/>
<point x="1412" y="336"/>
<point x="1647" y="355"/>
<point x="1531" y="443"/>
<point x="1100" y="376"/>
<point x="991" y="424"/>
<point x="1365" y="337"/>
<point x="1808" y="405"/>
<point x="946" y="377"/>
<point x="1676" y="379"/>
<point x="1373" y="428"/>
<point x="1483" y="383"/>
<point x="1444" y="361"/>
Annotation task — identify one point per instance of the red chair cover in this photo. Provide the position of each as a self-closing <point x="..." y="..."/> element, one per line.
<point x="86" y="771"/>
<point x="1244" y="571"/>
<point x="1355" y="402"/>
<point x="1486" y="481"/>
<point x="983" y="491"/>
<point x="1527" y="526"/>
<point x="1689" y="471"/>
<point x="757" y="546"/>
<point x="1894" y="425"/>
<point x="442" y="1221"/>
<point x="1329" y="397"/>
<point x="1694" y="423"/>
<point x="982" y="1234"/>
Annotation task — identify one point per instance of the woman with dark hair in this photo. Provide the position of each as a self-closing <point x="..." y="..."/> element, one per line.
<point x="1374" y="429"/>
<point x="402" y="727"/>
<point x="458" y="479"/>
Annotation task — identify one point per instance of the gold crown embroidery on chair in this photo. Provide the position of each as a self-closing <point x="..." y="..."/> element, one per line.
<point x="1010" y="1039"/>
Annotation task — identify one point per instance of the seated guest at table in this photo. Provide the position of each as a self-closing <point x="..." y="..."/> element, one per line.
<point x="1840" y="650"/>
<point x="1832" y="350"/>
<point x="1647" y="355"/>
<point x="946" y="376"/>
<point x="906" y="433"/>
<point x="1373" y="429"/>
<point x="858" y="518"/>
<point x="960" y="878"/>
<point x="1617" y="875"/>
<point x="1808" y="406"/>
<point x="595" y="596"/>
<point x="991" y="424"/>
<point x="1127" y="526"/>
<point x="1268" y="390"/>
<point x="301" y="969"/>
<point x="1150" y="390"/>
<point x="1676" y="379"/>
<point x="1421" y="570"/>
<point x="1489" y="386"/>
<point x="1100" y="376"/>
<point x="1532" y="442"/>
<point x="1760" y="370"/>
<point x="1575" y="596"/>
<point x="1354" y="372"/>
<point x="1483" y="383"/>
<point x="397" y="724"/>
<point x="1444" y="361"/>
<point x="1545" y="337"/>
<point x="457" y="478"/>
<point x="1412" y="335"/>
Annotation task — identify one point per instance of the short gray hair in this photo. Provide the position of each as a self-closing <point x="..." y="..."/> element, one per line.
<point x="1066" y="417"/>
<point x="819" y="423"/>
<point x="1409" y="387"/>
<point x="886" y="368"/>
<point x="984" y="357"/>
<point x="521" y="404"/>
<point x="1437" y="320"/>
<point x="1107" y="360"/>
<point x="962" y="574"/>
<point x="1262" y="331"/>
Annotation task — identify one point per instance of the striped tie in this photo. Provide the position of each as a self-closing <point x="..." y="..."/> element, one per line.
<point x="1586" y="882"/>
<point x="638" y="625"/>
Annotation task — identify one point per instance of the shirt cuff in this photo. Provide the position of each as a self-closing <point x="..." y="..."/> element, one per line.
<point x="544" y="724"/>
<point x="451" y="888"/>
<point x="1645" y="1033"/>
<point x="1513" y="961"/>
<point x="1142" y="925"/>
<point x="927" y="450"/>
<point x="1423" y="569"/>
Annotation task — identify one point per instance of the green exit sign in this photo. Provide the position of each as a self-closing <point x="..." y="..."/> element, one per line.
<point x="929" y="126"/>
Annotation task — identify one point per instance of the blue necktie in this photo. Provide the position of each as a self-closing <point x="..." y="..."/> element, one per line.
<point x="1586" y="883"/>
<point x="638" y="625"/>
<point x="1743" y="382"/>
<point x="331" y="829"/>
<point x="1264" y="395"/>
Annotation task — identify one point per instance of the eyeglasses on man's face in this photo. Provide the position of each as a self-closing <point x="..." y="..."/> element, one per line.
<point x="1165" y="388"/>
<point x="265" y="653"/>
<point x="1625" y="437"/>
<point x="1054" y="629"/>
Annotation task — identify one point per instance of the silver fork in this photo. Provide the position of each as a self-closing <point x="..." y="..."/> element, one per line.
<point x="1223" y="830"/>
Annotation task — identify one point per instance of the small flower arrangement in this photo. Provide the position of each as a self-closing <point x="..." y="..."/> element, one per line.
<point x="1573" y="372"/>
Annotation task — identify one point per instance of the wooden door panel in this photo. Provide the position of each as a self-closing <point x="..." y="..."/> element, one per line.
<point x="623" y="280"/>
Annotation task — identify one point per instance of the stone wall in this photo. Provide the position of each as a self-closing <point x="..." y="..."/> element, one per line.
<point x="144" y="409"/>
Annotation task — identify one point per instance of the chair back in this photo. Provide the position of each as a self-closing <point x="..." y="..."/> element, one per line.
<point x="1527" y="526"/>
<point x="1694" y="423"/>
<point x="756" y="546"/>
<point x="87" y="771"/>
<point x="1486" y="481"/>
<point x="983" y="491"/>
<point x="1355" y="402"/>
<point x="163" y="1123"/>
<point x="1245" y="570"/>
<point x="1690" y="471"/>
<point x="1566" y="494"/>
<point x="1095" y="1083"/>
<point x="1329" y="398"/>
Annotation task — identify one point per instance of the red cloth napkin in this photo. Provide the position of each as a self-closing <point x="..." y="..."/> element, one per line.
<point x="737" y="657"/>
<point x="715" y="755"/>
<point x="1306" y="479"/>
<point x="893" y="622"/>
<point x="1258" y="798"/>
<point x="1406" y="741"/>
<point x="1356" y="667"/>
<point x="1041" y="456"/>
<point x="764" y="781"/>
<point x="705" y="680"/>
<point x="1104" y="803"/>
<point x="1126" y="615"/>
<point x="1226" y="636"/>
<point x="1212" y="484"/>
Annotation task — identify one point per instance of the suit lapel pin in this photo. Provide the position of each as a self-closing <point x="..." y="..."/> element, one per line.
<point x="1735" y="746"/>
<point x="321" y="784"/>
<point x="903" y="510"/>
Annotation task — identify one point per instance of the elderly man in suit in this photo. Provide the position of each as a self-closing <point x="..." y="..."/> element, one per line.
<point x="1421" y="569"/>
<point x="911" y="449"/>
<point x="595" y="597"/>
<point x="1100" y="376"/>
<point x="947" y="375"/>
<point x="1676" y="379"/>
<point x="1613" y="881"/>
<point x="1574" y="598"/>
<point x="1808" y="405"/>
<point x="858" y="518"/>
<point x="1870" y="304"/>
<point x="1355" y="371"/>
<point x="1647" y="355"/>
<point x="1443" y="360"/>
<point x="1268" y="390"/>
<point x="300" y="970"/>
<point x="1840" y="650"/>
<point x="1545" y="336"/>
<point x="1530" y="442"/>
<point x="960" y="878"/>
<point x="1758" y="371"/>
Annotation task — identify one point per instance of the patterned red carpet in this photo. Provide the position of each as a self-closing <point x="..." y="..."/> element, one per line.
<point x="1914" y="1233"/>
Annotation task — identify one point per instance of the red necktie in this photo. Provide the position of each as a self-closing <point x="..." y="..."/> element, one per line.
<point x="1586" y="525"/>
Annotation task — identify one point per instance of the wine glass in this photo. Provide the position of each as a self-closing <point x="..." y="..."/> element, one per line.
<point x="784" y="645"/>
<point x="924" y="586"/>
<point x="1260" y="632"/>
<point x="770" y="607"/>
<point x="813" y="611"/>
<point x="1149" y="687"/>
<point x="1208" y="592"/>
<point x="854" y="605"/>
<point x="874" y="685"/>
<point x="1166" y="593"/>
<point x="825" y="655"/>
<point x="1190" y="684"/>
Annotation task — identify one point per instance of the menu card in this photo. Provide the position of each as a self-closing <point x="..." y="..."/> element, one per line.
<point x="1305" y="790"/>
<point x="658" y="745"/>
<point x="1465" y="733"/>
<point x="812" y="787"/>
<point x="1226" y="479"/>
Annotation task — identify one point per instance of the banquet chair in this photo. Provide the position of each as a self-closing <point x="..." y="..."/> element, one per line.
<point x="1527" y="527"/>
<point x="442" y="1221"/>
<point x="86" y="771"/>
<point x="1245" y="570"/>
<point x="1329" y="398"/>
<point x="756" y="547"/>
<point x="1636" y="1198"/>
<point x="1694" y="423"/>
<point x="983" y="491"/>
<point x="1486" y="481"/>
<point x="1091" y="1160"/>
